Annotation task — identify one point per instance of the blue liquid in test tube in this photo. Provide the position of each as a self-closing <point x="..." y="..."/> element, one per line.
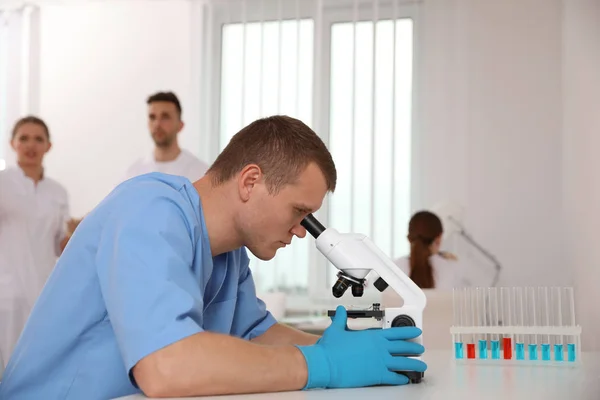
<point x="458" y="350"/>
<point x="520" y="351"/>
<point x="495" y="349"/>
<point x="558" y="352"/>
<point x="545" y="352"/>
<point x="533" y="352"/>
<point x="571" y="352"/>
<point x="570" y="318"/>
<point x="483" y="349"/>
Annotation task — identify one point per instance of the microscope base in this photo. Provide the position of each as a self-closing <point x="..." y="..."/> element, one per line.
<point x="413" y="376"/>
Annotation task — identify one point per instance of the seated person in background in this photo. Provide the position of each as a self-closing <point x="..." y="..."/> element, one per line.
<point x="426" y="265"/>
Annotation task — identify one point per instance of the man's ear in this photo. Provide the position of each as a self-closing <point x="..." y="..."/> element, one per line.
<point x="249" y="176"/>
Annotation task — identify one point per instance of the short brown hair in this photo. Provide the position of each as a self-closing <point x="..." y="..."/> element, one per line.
<point x="281" y="146"/>
<point x="168" y="97"/>
<point x="30" y="119"/>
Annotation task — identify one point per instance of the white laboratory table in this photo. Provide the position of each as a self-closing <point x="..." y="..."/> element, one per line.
<point x="446" y="380"/>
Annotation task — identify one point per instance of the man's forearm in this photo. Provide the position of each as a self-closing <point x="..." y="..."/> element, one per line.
<point x="280" y="334"/>
<point x="213" y="364"/>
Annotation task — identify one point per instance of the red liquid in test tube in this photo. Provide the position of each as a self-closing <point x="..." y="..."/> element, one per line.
<point x="507" y="345"/>
<point x="470" y="350"/>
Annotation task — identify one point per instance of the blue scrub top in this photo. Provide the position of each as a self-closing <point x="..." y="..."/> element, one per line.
<point x="136" y="276"/>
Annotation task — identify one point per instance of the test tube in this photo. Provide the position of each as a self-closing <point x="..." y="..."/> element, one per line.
<point x="558" y="314"/>
<point x="532" y="321"/>
<point x="457" y="307"/>
<point x="494" y="321"/>
<point x="481" y="311"/>
<point x="518" y="313"/>
<point x="545" y="306"/>
<point x="470" y="314"/>
<point x="506" y="312"/>
<point x="571" y="349"/>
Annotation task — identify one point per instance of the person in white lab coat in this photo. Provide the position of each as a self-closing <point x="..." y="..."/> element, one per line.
<point x="164" y="123"/>
<point x="426" y="265"/>
<point x="34" y="211"/>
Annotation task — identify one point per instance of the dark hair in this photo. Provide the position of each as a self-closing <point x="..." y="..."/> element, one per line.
<point x="424" y="227"/>
<point x="168" y="97"/>
<point x="30" y="119"/>
<point x="281" y="146"/>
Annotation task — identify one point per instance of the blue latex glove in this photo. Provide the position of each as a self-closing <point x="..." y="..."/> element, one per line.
<point x="344" y="358"/>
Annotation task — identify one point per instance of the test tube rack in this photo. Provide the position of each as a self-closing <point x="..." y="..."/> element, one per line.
<point x="515" y="325"/>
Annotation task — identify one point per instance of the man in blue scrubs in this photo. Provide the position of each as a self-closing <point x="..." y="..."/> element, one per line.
<point x="153" y="293"/>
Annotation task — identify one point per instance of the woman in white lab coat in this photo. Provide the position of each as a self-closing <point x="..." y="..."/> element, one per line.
<point x="426" y="265"/>
<point x="34" y="211"/>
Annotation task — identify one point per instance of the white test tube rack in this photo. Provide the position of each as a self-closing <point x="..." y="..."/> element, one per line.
<point x="475" y="329"/>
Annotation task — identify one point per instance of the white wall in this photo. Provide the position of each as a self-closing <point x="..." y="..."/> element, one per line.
<point x="100" y="61"/>
<point x="581" y="87"/>
<point x="489" y="133"/>
<point x="488" y="111"/>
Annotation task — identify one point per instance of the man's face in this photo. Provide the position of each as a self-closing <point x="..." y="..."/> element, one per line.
<point x="164" y="123"/>
<point x="271" y="221"/>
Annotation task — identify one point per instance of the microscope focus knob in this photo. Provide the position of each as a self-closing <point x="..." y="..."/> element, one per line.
<point x="403" y="320"/>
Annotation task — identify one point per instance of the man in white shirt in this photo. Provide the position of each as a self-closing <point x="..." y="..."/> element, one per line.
<point x="164" y="123"/>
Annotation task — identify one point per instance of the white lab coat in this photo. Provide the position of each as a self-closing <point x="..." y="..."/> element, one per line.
<point x="32" y="225"/>
<point x="447" y="274"/>
<point x="186" y="164"/>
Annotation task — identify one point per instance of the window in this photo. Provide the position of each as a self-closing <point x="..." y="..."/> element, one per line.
<point x="260" y="76"/>
<point x="270" y="74"/>
<point x="370" y="130"/>
<point x="315" y="60"/>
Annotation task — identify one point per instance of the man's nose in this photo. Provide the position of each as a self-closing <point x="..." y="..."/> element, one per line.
<point x="299" y="231"/>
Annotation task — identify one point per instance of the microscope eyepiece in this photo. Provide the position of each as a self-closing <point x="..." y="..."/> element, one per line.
<point x="312" y="225"/>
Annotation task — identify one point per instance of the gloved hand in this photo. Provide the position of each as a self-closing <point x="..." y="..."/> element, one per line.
<point x="344" y="358"/>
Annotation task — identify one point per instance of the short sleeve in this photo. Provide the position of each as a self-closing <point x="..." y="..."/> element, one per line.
<point x="251" y="318"/>
<point x="144" y="261"/>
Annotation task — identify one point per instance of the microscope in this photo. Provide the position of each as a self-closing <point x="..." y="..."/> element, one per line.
<point x="355" y="255"/>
